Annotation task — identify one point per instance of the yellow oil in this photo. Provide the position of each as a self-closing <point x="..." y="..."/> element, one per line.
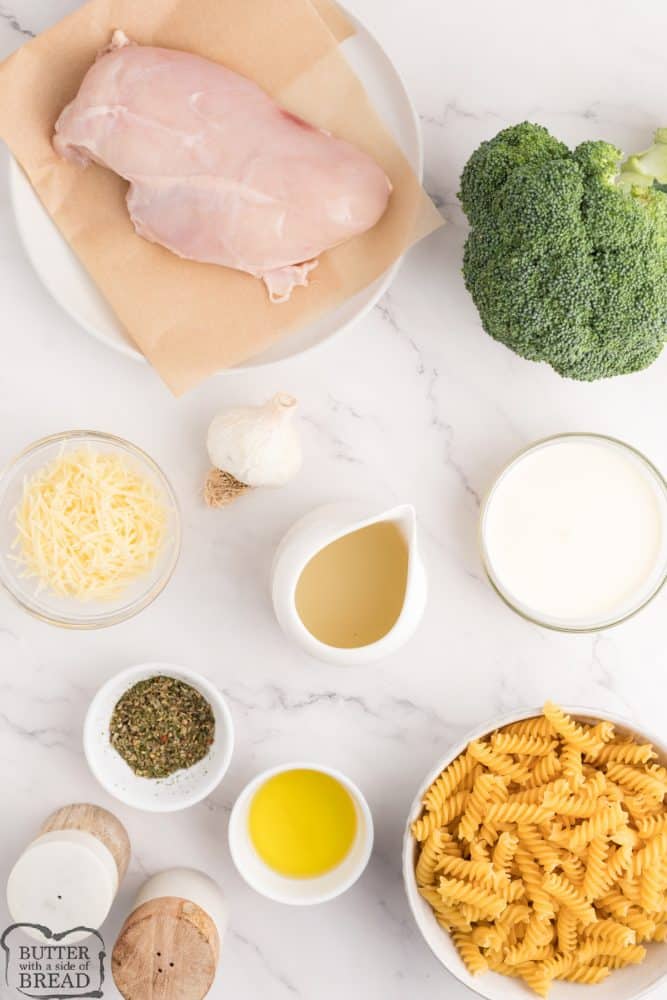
<point x="351" y="593"/>
<point x="302" y="823"/>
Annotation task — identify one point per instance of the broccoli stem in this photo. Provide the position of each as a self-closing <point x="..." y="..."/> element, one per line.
<point x="647" y="169"/>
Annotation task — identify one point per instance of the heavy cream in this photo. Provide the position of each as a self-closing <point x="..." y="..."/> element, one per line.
<point x="574" y="532"/>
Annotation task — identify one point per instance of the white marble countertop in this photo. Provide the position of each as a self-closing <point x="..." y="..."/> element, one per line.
<point x="416" y="403"/>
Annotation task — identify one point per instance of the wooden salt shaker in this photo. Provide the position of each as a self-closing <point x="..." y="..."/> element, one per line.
<point x="69" y="875"/>
<point x="169" y="946"/>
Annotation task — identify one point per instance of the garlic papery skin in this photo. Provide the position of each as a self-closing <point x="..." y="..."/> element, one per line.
<point x="252" y="446"/>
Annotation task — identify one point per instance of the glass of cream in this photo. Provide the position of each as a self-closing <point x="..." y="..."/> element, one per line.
<point x="574" y="532"/>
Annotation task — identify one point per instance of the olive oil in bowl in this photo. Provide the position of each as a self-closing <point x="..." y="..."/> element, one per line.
<point x="301" y="833"/>
<point x="302" y="823"/>
<point x="351" y="593"/>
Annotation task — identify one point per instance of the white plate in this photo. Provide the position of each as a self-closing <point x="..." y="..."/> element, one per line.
<point x="71" y="286"/>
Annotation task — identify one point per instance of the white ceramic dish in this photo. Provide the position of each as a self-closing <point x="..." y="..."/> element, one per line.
<point x="313" y="533"/>
<point x="631" y="983"/>
<point x="73" y="289"/>
<point x="180" y="790"/>
<point x="299" y="891"/>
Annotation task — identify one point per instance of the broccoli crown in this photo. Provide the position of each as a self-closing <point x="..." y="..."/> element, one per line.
<point x="564" y="265"/>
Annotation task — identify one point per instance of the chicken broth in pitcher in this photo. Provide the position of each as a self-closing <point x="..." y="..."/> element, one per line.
<point x="352" y="592"/>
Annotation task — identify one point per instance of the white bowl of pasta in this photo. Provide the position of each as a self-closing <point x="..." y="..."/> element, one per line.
<point x="535" y="857"/>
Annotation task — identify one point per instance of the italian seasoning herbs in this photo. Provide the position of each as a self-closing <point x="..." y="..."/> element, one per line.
<point x="162" y="725"/>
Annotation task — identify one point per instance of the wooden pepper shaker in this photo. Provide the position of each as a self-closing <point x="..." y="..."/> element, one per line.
<point x="69" y="875"/>
<point x="169" y="946"/>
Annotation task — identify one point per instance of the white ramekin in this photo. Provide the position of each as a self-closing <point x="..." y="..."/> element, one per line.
<point x="178" y="791"/>
<point x="299" y="891"/>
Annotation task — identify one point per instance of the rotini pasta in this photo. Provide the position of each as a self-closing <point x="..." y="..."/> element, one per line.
<point x="614" y="903"/>
<point x="470" y="953"/>
<point x="485" y="902"/>
<point x="572" y="765"/>
<point x="544" y="769"/>
<point x="568" y="894"/>
<point x="451" y="917"/>
<point x="658" y="772"/>
<point x="428" y="856"/>
<point x="637" y="780"/>
<point x="585" y="738"/>
<point x="476" y="806"/>
<point x="518" y="812"/>
<point x="538" y="934"/>
<point x="607" y="818"/>
<point x="532" y="746"/>
<point x="597" y="878"/>
<point x="451" y="809"/>
<point x="539" y="726"/>
<point x="479" y="851"/>
<point x="650" y="854"/>
<point x="629" y="886"/>
<point x="624" y="753"/>
<point x="566" y="929"/>
<point x="487" y="936"/>
<point x="589" y="975"/>
<point x="652" y="888"/>
<point x="619" y="861"/>
<point x="532" y="876"/>
<point x="641" y="923"/>
<point x="541" y="849"/>
<point x="498" y="763"/>
<point x="448" y="782"/>
<point x="633" y="955"/>
<point x="547" y="855"/>
<point x="574" y="806"/>
<point x="652" y="826"/>
<point x="503" y="852"/>
<point x="432" y="896"/>
<point x="573" y="867"/>
<point x="611" y="933"/>
<point x="481" y="872"/>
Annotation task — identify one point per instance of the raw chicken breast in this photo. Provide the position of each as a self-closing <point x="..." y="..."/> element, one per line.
<point x="218" y="171"/>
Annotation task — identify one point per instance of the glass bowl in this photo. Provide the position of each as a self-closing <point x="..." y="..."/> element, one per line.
<point x="644" y="591"/>
<point x="68" y="612"/>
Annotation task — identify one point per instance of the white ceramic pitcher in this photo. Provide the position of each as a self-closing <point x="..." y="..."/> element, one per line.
<point x="313" y="533"/>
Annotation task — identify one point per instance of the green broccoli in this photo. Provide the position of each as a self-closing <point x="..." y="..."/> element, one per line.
<point x="566" y="259"/>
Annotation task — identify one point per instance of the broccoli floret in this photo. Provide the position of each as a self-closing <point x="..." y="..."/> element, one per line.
<point x="490" y="166"/>
<point x="564" y="264"/>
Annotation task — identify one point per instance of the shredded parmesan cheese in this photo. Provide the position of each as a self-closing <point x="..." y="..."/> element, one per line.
<point x="88" y="525"/>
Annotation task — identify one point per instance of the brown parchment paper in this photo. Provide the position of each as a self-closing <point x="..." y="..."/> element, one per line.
<point x="334" y="18"/>
<point x="193" y="319"/>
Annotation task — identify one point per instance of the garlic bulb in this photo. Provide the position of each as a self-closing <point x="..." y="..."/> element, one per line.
<point x="252" y="446"/>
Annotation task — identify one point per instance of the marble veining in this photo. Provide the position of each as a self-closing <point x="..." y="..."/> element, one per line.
<point x="14" y="23"/>
<point x="415" y="404"/>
